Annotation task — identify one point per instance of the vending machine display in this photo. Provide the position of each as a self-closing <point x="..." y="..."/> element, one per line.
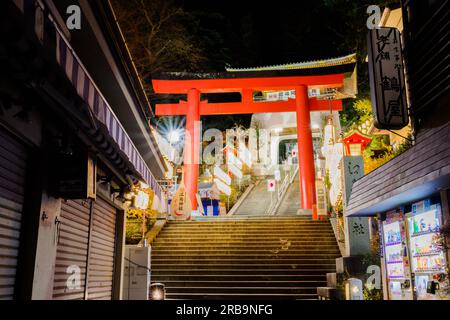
<point x="397" y="263"/>
<point x="427" y="257"/>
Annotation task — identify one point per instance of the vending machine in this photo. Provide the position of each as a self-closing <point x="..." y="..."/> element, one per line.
<point x="428" y="262"/>
<point x="396" y="258"/>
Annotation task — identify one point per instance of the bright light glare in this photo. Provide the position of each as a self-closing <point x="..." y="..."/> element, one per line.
<point x="355" y="289"/>
<point x="277" y="130"/>
<point x="174" y="136"/>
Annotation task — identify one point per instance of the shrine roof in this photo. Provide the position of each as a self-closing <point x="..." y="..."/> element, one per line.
<point x="310" y="68"/>
<point x="314" y="64"/>
<point x="356" y="134"/>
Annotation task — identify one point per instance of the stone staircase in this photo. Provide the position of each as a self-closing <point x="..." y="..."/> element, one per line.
<point x="257" y="201"/>
<point x="244" y="258"/>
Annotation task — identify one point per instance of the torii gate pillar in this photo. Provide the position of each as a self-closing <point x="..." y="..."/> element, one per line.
<point x="305" y="151"/>
<point x="192" y="145"/>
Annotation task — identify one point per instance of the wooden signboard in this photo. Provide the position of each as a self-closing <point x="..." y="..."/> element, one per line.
<point x="74" y="175"/>
<point x="387" y="80"/>
<point x="181" y="207"/>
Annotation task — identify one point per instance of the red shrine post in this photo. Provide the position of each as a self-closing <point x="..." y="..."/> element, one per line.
<point x="193" y="84"/>
<point x="192" y="145"/>
<point x="305" y="150"/>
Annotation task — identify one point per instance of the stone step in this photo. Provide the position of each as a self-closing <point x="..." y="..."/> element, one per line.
<point x="162" y="251"/>
<point x="303" y="237"/>
<point x="213" y="254"/>
<point x="248" y="230"/>
<point x="310" y="248"/>
<point x="239" y="243"/>
<point x="243" y="290"/>
<point x="239" y="296"/>
<point x="247" y="256"/>
<point x="231" y="275"/>
<point x="315" y="249"/>
<point x="244" y="258"/>
<point x="244" y="283"/>
<point x="330" y="293"/>
<point x="260" y="261"/>
<point x="230" y="267"/>
<point x="316" y="232"/>
<point x="246" y="226"/>
<point x="251" y="220"/>
<point x="302" y="234"/>
<point x="248" y="223"/>
<point x="239" y="240"/>
<point x="308" y="231"/>
<point x="246" y="241"/>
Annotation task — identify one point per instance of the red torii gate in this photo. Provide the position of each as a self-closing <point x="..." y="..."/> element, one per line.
<point x="245" y="83"/>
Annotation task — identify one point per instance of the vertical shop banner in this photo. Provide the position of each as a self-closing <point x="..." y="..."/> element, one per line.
<point x="387" y="80"/>
<point x="353" y="170"/>
<point x="357" y="233"/>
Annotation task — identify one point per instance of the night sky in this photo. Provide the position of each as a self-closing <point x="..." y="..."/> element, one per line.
<point x="256" y="33"/>
<point x="263" y="33"/>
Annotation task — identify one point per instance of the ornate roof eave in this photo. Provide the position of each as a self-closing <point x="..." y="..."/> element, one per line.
<point x="349" y="59"/>
<point x="356" y="132"/>
<point x="348" y="90"/>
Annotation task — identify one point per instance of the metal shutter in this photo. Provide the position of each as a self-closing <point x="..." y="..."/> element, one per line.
<point x="13" y="158"/>
<point x="101" y="255"/>
<point x="72" y="249"/>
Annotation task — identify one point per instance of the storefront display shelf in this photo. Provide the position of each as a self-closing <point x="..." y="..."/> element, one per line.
<point x="397" y="277"/>
<point x="393" y="243"/>
<point x="394" y="262"/>
<point x="418" y="234"/>
<point x="430" y="270"/>
<point x="431" y="253"/>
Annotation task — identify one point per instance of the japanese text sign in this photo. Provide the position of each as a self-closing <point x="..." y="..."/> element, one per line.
<point x="387" y="83"/>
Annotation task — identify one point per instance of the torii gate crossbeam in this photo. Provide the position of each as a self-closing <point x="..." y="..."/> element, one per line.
<point x="193" y="108"/>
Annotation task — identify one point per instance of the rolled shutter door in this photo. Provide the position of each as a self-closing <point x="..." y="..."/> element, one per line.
<point x="13" y="157"/>
<point x="102" y="251"/>
<point x="72" y="250"/>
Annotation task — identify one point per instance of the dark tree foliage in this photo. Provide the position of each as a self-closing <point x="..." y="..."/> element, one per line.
<point x="213" y="34"/>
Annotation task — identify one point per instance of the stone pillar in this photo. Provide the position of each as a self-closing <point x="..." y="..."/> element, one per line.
<point x="357" y="232"/>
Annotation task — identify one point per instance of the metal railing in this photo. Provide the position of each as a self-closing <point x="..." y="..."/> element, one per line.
<point x="287" y="181"/>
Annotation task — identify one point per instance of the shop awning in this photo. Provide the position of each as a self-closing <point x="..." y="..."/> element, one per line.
<point x="86" y="88"/>
<point x="416" y="174"/>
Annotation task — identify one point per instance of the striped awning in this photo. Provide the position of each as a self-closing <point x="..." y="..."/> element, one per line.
<point x="86" y="88"/>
